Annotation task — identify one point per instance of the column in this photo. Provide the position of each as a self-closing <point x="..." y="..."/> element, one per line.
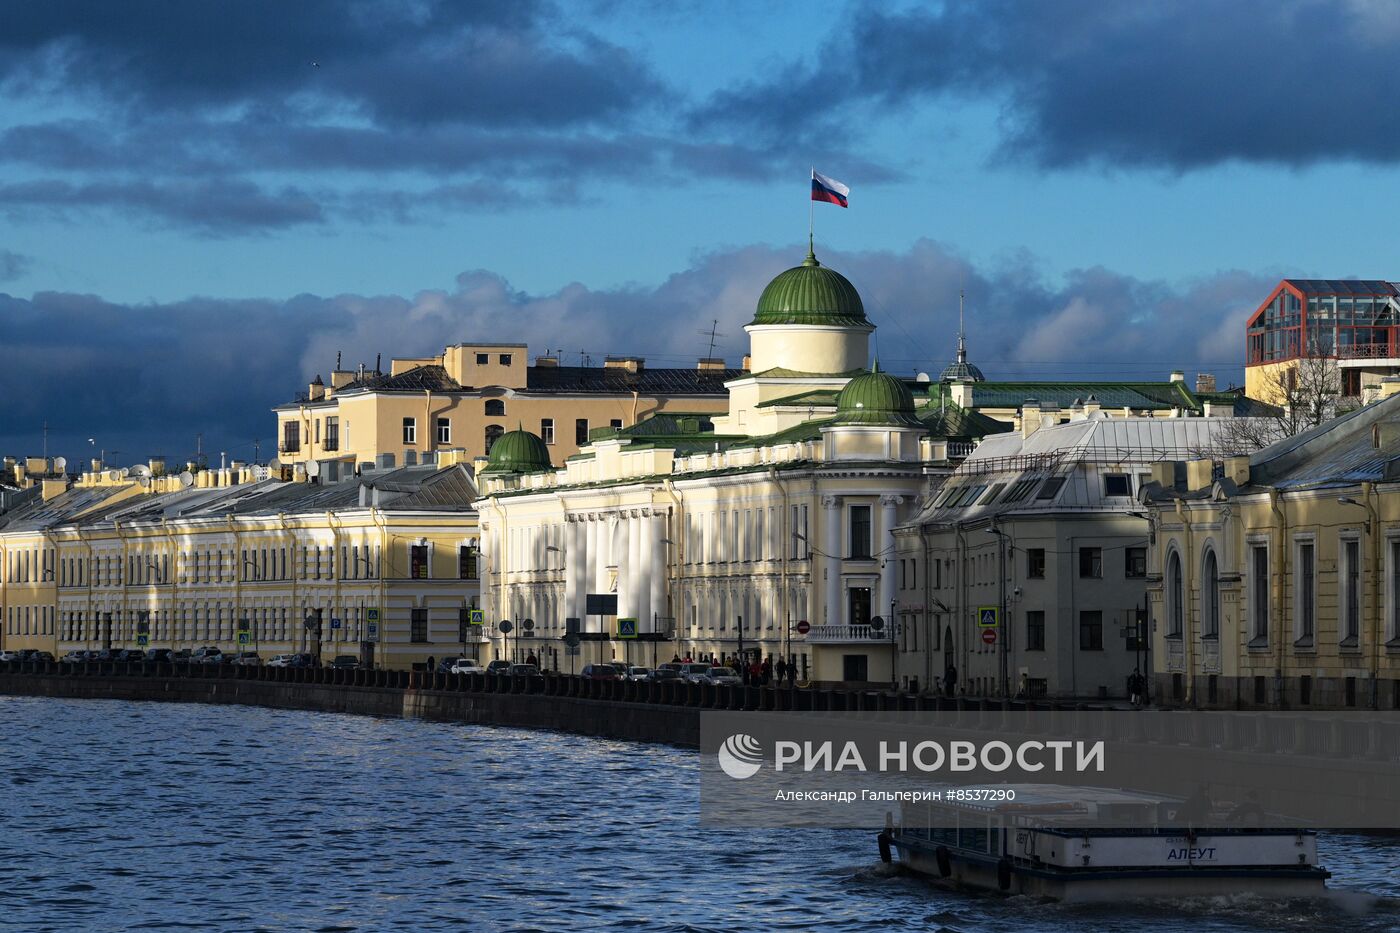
<point x="575" y="565"/>
<point x="642" y="570"/>
<point x="656" y="566"/>
<point x="889" y="582"/>
<point x="831" y="516"/>
<point x="599" y="551"/>
<point x="628" y="563"/>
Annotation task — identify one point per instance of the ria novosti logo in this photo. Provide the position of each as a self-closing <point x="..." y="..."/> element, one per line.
<point x="740" y="756"/>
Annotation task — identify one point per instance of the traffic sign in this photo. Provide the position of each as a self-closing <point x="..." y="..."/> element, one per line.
<point x="243" y="625"/>
<point x="626" y="628"/>
<point x="335" y="623"/>
<point x="528" y="625"/>
<point x="143" y="640"/>
<point x="372" y="616"/>
<point x="987" y="615"/>
<point x="371" y="631"/>
<point x="506" y="626"/>
<point x="572" y="640"/>
<point x="989" y="636"/>
<point x="244" y="638"/>
<point x="571" y="651"/>
<point x="803" y="627"/>
<point x="477" y="617"/>
<point x="877" y="624"/>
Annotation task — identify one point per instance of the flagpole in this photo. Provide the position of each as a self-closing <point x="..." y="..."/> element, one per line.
<point x="811" y="209"/>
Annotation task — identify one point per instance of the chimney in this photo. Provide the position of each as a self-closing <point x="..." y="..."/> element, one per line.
<point x="630" y="363"/>
<point x="37" y="466"/>
<point x="157" y="465"/>
<point x="1178" y="375"/>
<point x="340" y="378"/>
<point x="317" y="390"/>
<point x="1198" y="475"/>
<point x="1237" y="470"/>
<point x="1205" y="382"/>
<point x="744" y="364"/>
<point x="1030" y="417"/>
<point x="710" y="364"/>
<point x="96" y="465"/>
<point x="1390" y="385"/>
<point x="1164" y="473"/>
<point x="54" y="486"/>
<point x="1385" y="434"/>
<point x="1091" y="405"/>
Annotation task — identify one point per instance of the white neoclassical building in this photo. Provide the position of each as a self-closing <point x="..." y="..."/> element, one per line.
<point x="762" y="532"/>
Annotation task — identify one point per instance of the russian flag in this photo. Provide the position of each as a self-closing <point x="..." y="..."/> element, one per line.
<point x="829" y="190"/>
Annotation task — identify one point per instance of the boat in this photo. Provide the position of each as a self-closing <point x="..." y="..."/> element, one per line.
<point x="1087" y="845"/>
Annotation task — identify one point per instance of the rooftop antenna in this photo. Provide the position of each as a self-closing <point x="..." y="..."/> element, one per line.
<point x="337" y="360"/>
<point x="962" y="334"/>
<point x="255" y="441"/>
<point x="377" y="357"/>
<point x="199" y="445"/>
<point x="46" y="444"/>
<point x="712" y="333"/>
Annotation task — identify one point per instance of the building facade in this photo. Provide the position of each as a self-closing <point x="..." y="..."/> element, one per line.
<point x="471" y="394"/>
<point x="1274" y="580"/>
<point x="384" y="568"/>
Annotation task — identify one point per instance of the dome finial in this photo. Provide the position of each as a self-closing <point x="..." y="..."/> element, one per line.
<point x="876" y="367"/>
<point x="811" y="259"/>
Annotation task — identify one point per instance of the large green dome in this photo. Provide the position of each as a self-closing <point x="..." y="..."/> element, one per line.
<point x="518" y="452"/>
<point x="811" y="294"/>
<point x="876" y="398"/>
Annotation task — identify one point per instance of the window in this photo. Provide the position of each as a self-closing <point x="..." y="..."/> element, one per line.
<point x="547" y="430"/>
<point x="291" y="437"/>
<point x="1091" y="631"/>
<point x="859" y="531"/>
<point x="504" y="359"/>
<point x="418" y="561"/>
<point x="1394" y="628"/>
<point x="1035" y="630"/>
<point x="1135" y="562"/>
<point x="1259" y="594"/>
<point x="444" y="431"/>
<point x="466" y="562"/>
<point x="1117" y="484"/>
<point x="410" y="430"/>
<point x="332" y="433"/>
<point x="1051" y="487"/>
<point x="418" y="625"/>
<point x="493" y="434"/>
<point x="1210" y="598"/>
<point x="1351" y="591"/>
<point x="495" y="408"/>
<point x="1304" y="594"/>
<point x="482" y="359"/>
<point x="858" y="605"/>
<point x="1035" y="563"/>
<point x="581" y="431"/>
<point x="615" y="424"/>
<point x="1175" y="597"/>
<point x="1091" y="562"/>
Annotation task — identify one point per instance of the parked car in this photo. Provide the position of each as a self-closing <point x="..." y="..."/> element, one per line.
<point x="247" y="659"/>
<point x="180" y="657"/>
<point x="303" y="660"/>
<point x="206" y="655"/>
<point x="599" y="672"/>
<point x="345" y="662"/>
<point x="524" y="670"/>
<point x="41" y="656"/>
<point x="281" y="660"/>
<point x="445" y="665"/>
<point x="498" y="666"/>
<point x="720" y="675"/>
<point x="74" y="657"/>
<point x="637" y="673"/>
<point x="9" y="656"/>
<point x="27" y="654"/>
<point x="466" y="666"/>
<point x="131" y="655"/>
<point x="159" y="654"/>
<point x="665" y="672"/>
<point x="106" y="654"/>
<point x="694" y="671"/>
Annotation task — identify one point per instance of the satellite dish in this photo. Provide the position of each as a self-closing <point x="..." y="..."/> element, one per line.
<point x="922" y="378"/>
<point x="114" y="475"/>
<point x="313" y="468"/>
<point x="145" y="481"/>
<point x="60" y="464"/>
<point x="140" y="471"/>
<point x="125" y="472"/>
<point x="186" y="479"/>
<point x="274" y="464"/>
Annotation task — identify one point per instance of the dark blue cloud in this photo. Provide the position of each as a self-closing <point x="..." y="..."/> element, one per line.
<point x="1159" y="84"/>
<point x="12" y="265"/>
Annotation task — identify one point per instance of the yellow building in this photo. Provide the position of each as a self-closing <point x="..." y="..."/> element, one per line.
<point x="473" y="393"/>
<point x="764" y="532"/>
<point x="384" y="568"/>
<point x="1274" y="580"/>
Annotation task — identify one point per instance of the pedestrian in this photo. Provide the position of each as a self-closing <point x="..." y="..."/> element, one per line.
<point x="950" y="679"/>
<point x="675" y="659"/>
<point x="792" y="668"/>
<point x="531" y="659"/>
<point x="431" y="668"/>
<point x="767" y="670"/>
<point x="1135" y="688"/>
<point x="781" y="668"/>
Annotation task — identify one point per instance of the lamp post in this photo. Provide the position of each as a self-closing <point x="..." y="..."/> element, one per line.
<point x="894" y="651"/>
<point x="1005" y="633"/>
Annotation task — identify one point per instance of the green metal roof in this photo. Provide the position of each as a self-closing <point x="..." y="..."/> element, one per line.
<point x="876" y="398"/>
<point x="1153" y="396"/>
<point x="811" y="294"/>
<point x="817" y="398"/>
<point x="951" y="420"/>
<point x="518" y="452"/>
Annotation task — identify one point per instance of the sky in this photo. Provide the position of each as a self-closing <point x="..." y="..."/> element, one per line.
<point x="201" y="204"/>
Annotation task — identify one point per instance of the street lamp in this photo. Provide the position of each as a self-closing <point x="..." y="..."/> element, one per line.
<point x="894" y="650"/>
<point x="1005" y="632"/>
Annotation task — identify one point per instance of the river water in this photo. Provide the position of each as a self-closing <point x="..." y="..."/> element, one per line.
<point x="143" y="816"/>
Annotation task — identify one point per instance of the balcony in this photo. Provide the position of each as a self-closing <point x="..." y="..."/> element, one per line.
<point x="844" y="634"/>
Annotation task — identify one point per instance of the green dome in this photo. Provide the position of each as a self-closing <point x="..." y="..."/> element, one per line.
<point x="811" y="294"/>
<point x="518" y="451"/>
<point x="876" y="398"/>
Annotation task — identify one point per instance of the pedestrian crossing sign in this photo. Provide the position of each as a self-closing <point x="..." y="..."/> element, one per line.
<point x="987" y="616"/>
<point x="477" y="617"/>
<point x="143" y="640"/>
<point x="244" y="638"/>
<point x="626" y="628"/>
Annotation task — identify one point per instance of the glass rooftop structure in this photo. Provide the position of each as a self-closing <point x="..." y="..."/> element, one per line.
<point x="1333" y="318"/>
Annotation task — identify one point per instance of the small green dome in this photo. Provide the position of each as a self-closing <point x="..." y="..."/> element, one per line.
<point x="518" y="451"/>
<point x="876" y="398"/>
<point x="811" y="294"/>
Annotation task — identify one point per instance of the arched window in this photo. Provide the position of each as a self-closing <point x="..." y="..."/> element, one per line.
<point x="1210" y="597"/>
<point x="495" y="408"/>
<point x="1175" y="601"/>
<point x="493" y="434"/>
